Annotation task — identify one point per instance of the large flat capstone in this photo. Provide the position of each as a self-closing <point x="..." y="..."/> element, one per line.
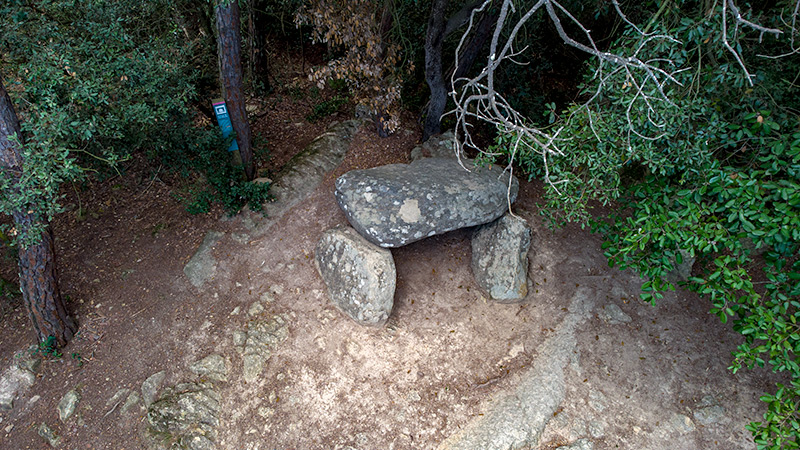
<point x="398" y="204"/>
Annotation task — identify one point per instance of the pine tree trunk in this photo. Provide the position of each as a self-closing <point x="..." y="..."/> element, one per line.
<point x="230" y="57"/>
<point x="433" y="69"/>
<point x="37" y="264"/>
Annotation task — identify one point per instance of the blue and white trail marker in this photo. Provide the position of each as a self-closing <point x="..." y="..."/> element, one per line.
<point x="224" y="121"/>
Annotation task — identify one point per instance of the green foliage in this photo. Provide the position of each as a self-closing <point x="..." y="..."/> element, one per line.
<point x="326" y="108"/>
<point x="714" y="173"/>
<point x="93" y="82"/>
<point x="47" y="349"/>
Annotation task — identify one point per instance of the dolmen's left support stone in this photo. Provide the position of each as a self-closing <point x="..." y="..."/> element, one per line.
<point x="360" y="277"/>
<point x="500" y="258"/>
<point x="398" y="204"/>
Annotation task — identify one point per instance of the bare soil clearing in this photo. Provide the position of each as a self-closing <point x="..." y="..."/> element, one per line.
<point x="658" y="381"/>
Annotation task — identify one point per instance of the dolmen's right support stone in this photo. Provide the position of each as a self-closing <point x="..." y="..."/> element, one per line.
<point x="360" y="277"/>
<point x="500" y="258"/>
<point x="398" y="204"/>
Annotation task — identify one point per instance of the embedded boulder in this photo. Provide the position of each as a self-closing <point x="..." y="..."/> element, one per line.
<point x="398" y="204"/>
<point x="500" y="258"/>
<point x="360" y="277"/>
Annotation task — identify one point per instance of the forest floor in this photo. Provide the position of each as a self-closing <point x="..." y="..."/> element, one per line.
<point x="653" y="377"/>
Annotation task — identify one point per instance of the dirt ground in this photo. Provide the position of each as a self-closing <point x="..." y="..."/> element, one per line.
<point x="445" y="354"/>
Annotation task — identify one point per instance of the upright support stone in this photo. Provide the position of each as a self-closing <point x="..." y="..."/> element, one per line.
<point x="360" y="277"/>
<point x="500" y="258"/>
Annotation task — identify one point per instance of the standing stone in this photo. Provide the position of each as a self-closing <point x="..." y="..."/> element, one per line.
<point x="187" y="414"/>
<point x="360" y="277"/>
<point x="398" y="204"/>
<point x="214" y="367"/>
<point x="500" y="258"/>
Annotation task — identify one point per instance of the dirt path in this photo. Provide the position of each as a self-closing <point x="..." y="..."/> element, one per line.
<point x="581" y="362"/>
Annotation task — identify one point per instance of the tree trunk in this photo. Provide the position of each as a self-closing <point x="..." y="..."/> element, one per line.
<point x="433" y="69"/>
<point x="37" y="262"/>
<point x="259" y="45"/>
<point x="230" y="50"/>
<point x="474" y="46"/>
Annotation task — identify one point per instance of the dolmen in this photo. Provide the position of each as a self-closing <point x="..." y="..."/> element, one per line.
<point x="394" y="205"/>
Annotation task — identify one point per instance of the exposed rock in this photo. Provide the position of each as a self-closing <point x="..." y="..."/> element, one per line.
<point x="13" y="383"/>
<point x="360" y="277"/>
<point x="66" y="407"/>
<point x="26" y="359"/>
<point x="262" y="337"/>
<point x="398" y="204"/>
<point x="440" y="146"/>
<point x="213" y="367"/>
<point x="678" y="423"/>
<point x="516" y="419"/>
<point x="500" y="258"/>
<point x="255" y="309"/>
<point x="709" y="411"/>
<point x="151" y="386"/>
<point x="202" y="267"/>
<point x="303" y="173"/>
<point x="613" y="314"/>
<point x="48" y="435"/>
<point x="682" y="271"/>
<point x="581" y="444"/>
<point x="187" y="415"/>
<point x="132" y="400"/>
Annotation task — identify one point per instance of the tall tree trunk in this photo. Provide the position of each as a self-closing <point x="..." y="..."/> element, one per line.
<point x="37" y="262"/>
<point x="230" y="51"/>
<point x="433" y="69"/>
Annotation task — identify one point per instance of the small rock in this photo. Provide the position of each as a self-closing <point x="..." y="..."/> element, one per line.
<point x="682" y="271"/>
<point x="239" y="339"/>
<point x="214" y="367"/>
<point x="360" y="277"/>
<point x="13" y="383"/>
<point x="203" y="266"/>
<point x="441" y="146"/>
<point x="255" y="309"/>
<point x="9" y="428"/>
<point x="27" y="361"/>
<point x="236" y="311"/>
<point x="709" y="414"/>
<point x="48" y="435"/>
<point x="267" y="297"/>
<point x="151" y="386"/>
<point x="597" y="429"/>
<point x="117" y="397"/>
<point x="500" y="258"/>
<point x="67" y="405"/>
<point x="582" y="444"/>
<point x="187" y="413"/>
<point x="597" y="401"/>
<point x="680" y="423"/>
<point x="130" y="402"/>
<point x="614" y="315"/>
<point x="262" y="337"/>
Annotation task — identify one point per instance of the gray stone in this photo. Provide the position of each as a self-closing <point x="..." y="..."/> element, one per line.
<point x="118" y="396"/>
<point x="398" y="204"/>
<point x="680" y="424"/>
<point x="184" y="414"/>
<point x="255" y="309"/>
<point x="151" y="386"/>
<point x="682" y="271"/>
<point x="597" y="429"/>
<point x="203" y="266"/>
<point x="262" y="337"/>
<point x="500" y="258"/>
<point x="13" y="383"/>
<point x="213" y="367"/>
<point x="360" y="277"/>
<point x="440" y="146"/>
<point x="26" y="360"/>
<point x="48" y="435"/>
<point x="581" y="444"/>
<point x="66" y="407"/>
<point x="306" y="170"/>
<point x="614" y="315"/>
<point x="709" y="414"/>
<point x="132" y="400"/>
